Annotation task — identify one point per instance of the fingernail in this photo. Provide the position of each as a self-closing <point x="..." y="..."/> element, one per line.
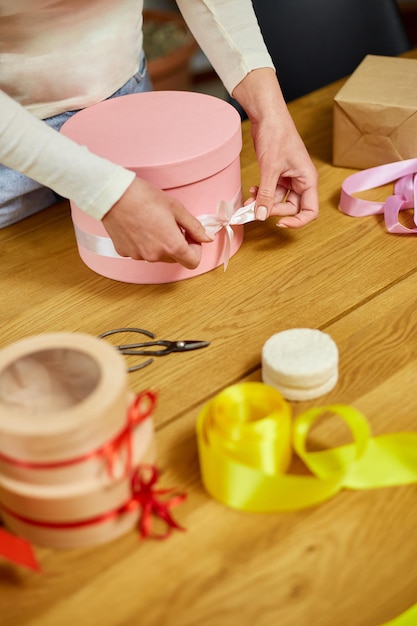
<point x="210" y="235"/>
<point x="261" y="213"/>
<point x="281" y="225"/>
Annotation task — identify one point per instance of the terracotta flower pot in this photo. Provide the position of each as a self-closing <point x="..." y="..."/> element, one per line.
<point x="168" y="57"/>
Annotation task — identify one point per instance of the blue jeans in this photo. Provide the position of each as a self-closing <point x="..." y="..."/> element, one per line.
<point x="21" y="196"/>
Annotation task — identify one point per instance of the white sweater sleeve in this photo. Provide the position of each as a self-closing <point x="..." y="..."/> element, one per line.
<point x="228" y="33"/>
<point x="29" y="146"/>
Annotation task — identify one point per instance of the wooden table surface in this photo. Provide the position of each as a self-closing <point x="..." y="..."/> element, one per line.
<point x="351" y="561"/>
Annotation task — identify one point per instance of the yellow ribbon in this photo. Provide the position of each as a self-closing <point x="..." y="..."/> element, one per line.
<point x="246" y="437"/>
<point x="408" y="618"/>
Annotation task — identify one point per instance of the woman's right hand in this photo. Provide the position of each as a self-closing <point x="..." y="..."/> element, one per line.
<point x="148" y="224"/>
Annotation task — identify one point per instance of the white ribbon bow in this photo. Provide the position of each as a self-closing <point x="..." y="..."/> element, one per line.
<point x="226" y="217"/>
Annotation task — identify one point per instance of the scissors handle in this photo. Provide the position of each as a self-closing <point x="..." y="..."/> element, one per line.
<point x="114" y="331"/>
<point x="142" y="331"/>
<point x="142" y="348"/>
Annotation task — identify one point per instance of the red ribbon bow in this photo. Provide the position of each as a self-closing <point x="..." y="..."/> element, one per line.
<point x="146" y="496"/>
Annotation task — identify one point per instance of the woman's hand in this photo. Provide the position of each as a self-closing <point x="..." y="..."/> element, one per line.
<point x="146" y="223"/>
<point x="288" y="178"/>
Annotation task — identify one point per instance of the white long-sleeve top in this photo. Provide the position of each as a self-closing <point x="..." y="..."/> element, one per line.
<point x="61" y="55"/>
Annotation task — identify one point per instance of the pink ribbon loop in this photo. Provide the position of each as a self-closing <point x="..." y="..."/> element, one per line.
<point x="404" y="196"/>
<point x="226" y="217"/>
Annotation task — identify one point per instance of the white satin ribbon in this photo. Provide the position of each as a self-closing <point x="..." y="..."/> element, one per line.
<point x="103" y="246"/>
<point x="226" y="217"/>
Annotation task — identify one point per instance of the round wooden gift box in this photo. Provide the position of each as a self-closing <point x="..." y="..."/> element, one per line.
<point x="64" y="397"/>
<point x="187" y="144"/>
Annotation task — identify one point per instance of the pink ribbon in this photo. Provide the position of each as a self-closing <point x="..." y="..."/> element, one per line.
<point x="226" y="217"/>
<point x="404" y="196"/>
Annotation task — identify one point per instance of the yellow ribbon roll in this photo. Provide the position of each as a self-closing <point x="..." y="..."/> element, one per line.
<point x="408" y="618"/>
<point x="246" y="437"/>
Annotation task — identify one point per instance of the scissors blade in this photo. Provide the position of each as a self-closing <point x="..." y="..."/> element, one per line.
<point x="184" y="346"/>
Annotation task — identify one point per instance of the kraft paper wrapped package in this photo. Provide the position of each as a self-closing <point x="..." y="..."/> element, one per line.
<point x="188" y="145"/>
<point x="69" y="440"/>
<point x="375" y="114"/>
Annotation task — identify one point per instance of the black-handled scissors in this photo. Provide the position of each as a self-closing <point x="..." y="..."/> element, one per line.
<point x="157" y="347"/>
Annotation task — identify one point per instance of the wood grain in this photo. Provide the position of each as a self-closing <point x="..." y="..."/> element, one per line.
<point x="349" y="562"/>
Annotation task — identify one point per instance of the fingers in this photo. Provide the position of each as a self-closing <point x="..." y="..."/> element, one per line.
<point x="179" y="250"/>
<point x="192" y="234"/>
<point x="188" y="255"/>
<point x="192" y="227"/>
<point x="302" y="218"/>
<point x="174" y="248"/>
<point x="308" y="210"/>
<point x="147" y="224"/>
<point x="191" y="256"/>
<point x="264" y="201"/>
<point x="280" y="197"/>
<point x="295" y="210"/>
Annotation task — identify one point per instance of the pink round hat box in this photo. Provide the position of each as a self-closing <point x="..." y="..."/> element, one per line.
<point x="187" y="144"/>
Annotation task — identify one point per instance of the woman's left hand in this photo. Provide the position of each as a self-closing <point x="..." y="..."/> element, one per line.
<point x="288" y="184"/>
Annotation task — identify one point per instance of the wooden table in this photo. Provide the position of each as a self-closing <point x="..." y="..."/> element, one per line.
<point x="349" y="562"/>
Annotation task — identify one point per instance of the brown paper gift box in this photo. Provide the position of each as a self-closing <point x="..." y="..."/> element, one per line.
<point x="375" y="113"/>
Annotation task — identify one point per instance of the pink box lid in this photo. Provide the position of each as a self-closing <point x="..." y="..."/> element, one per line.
<point x="160" y="134"/>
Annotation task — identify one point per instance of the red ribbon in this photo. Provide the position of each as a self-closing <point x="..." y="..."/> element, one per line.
<point x="20" y="551"/>
<point x="17" y="550"/>
<point x="140" y="410"/>
<point x="144" y="496"/>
